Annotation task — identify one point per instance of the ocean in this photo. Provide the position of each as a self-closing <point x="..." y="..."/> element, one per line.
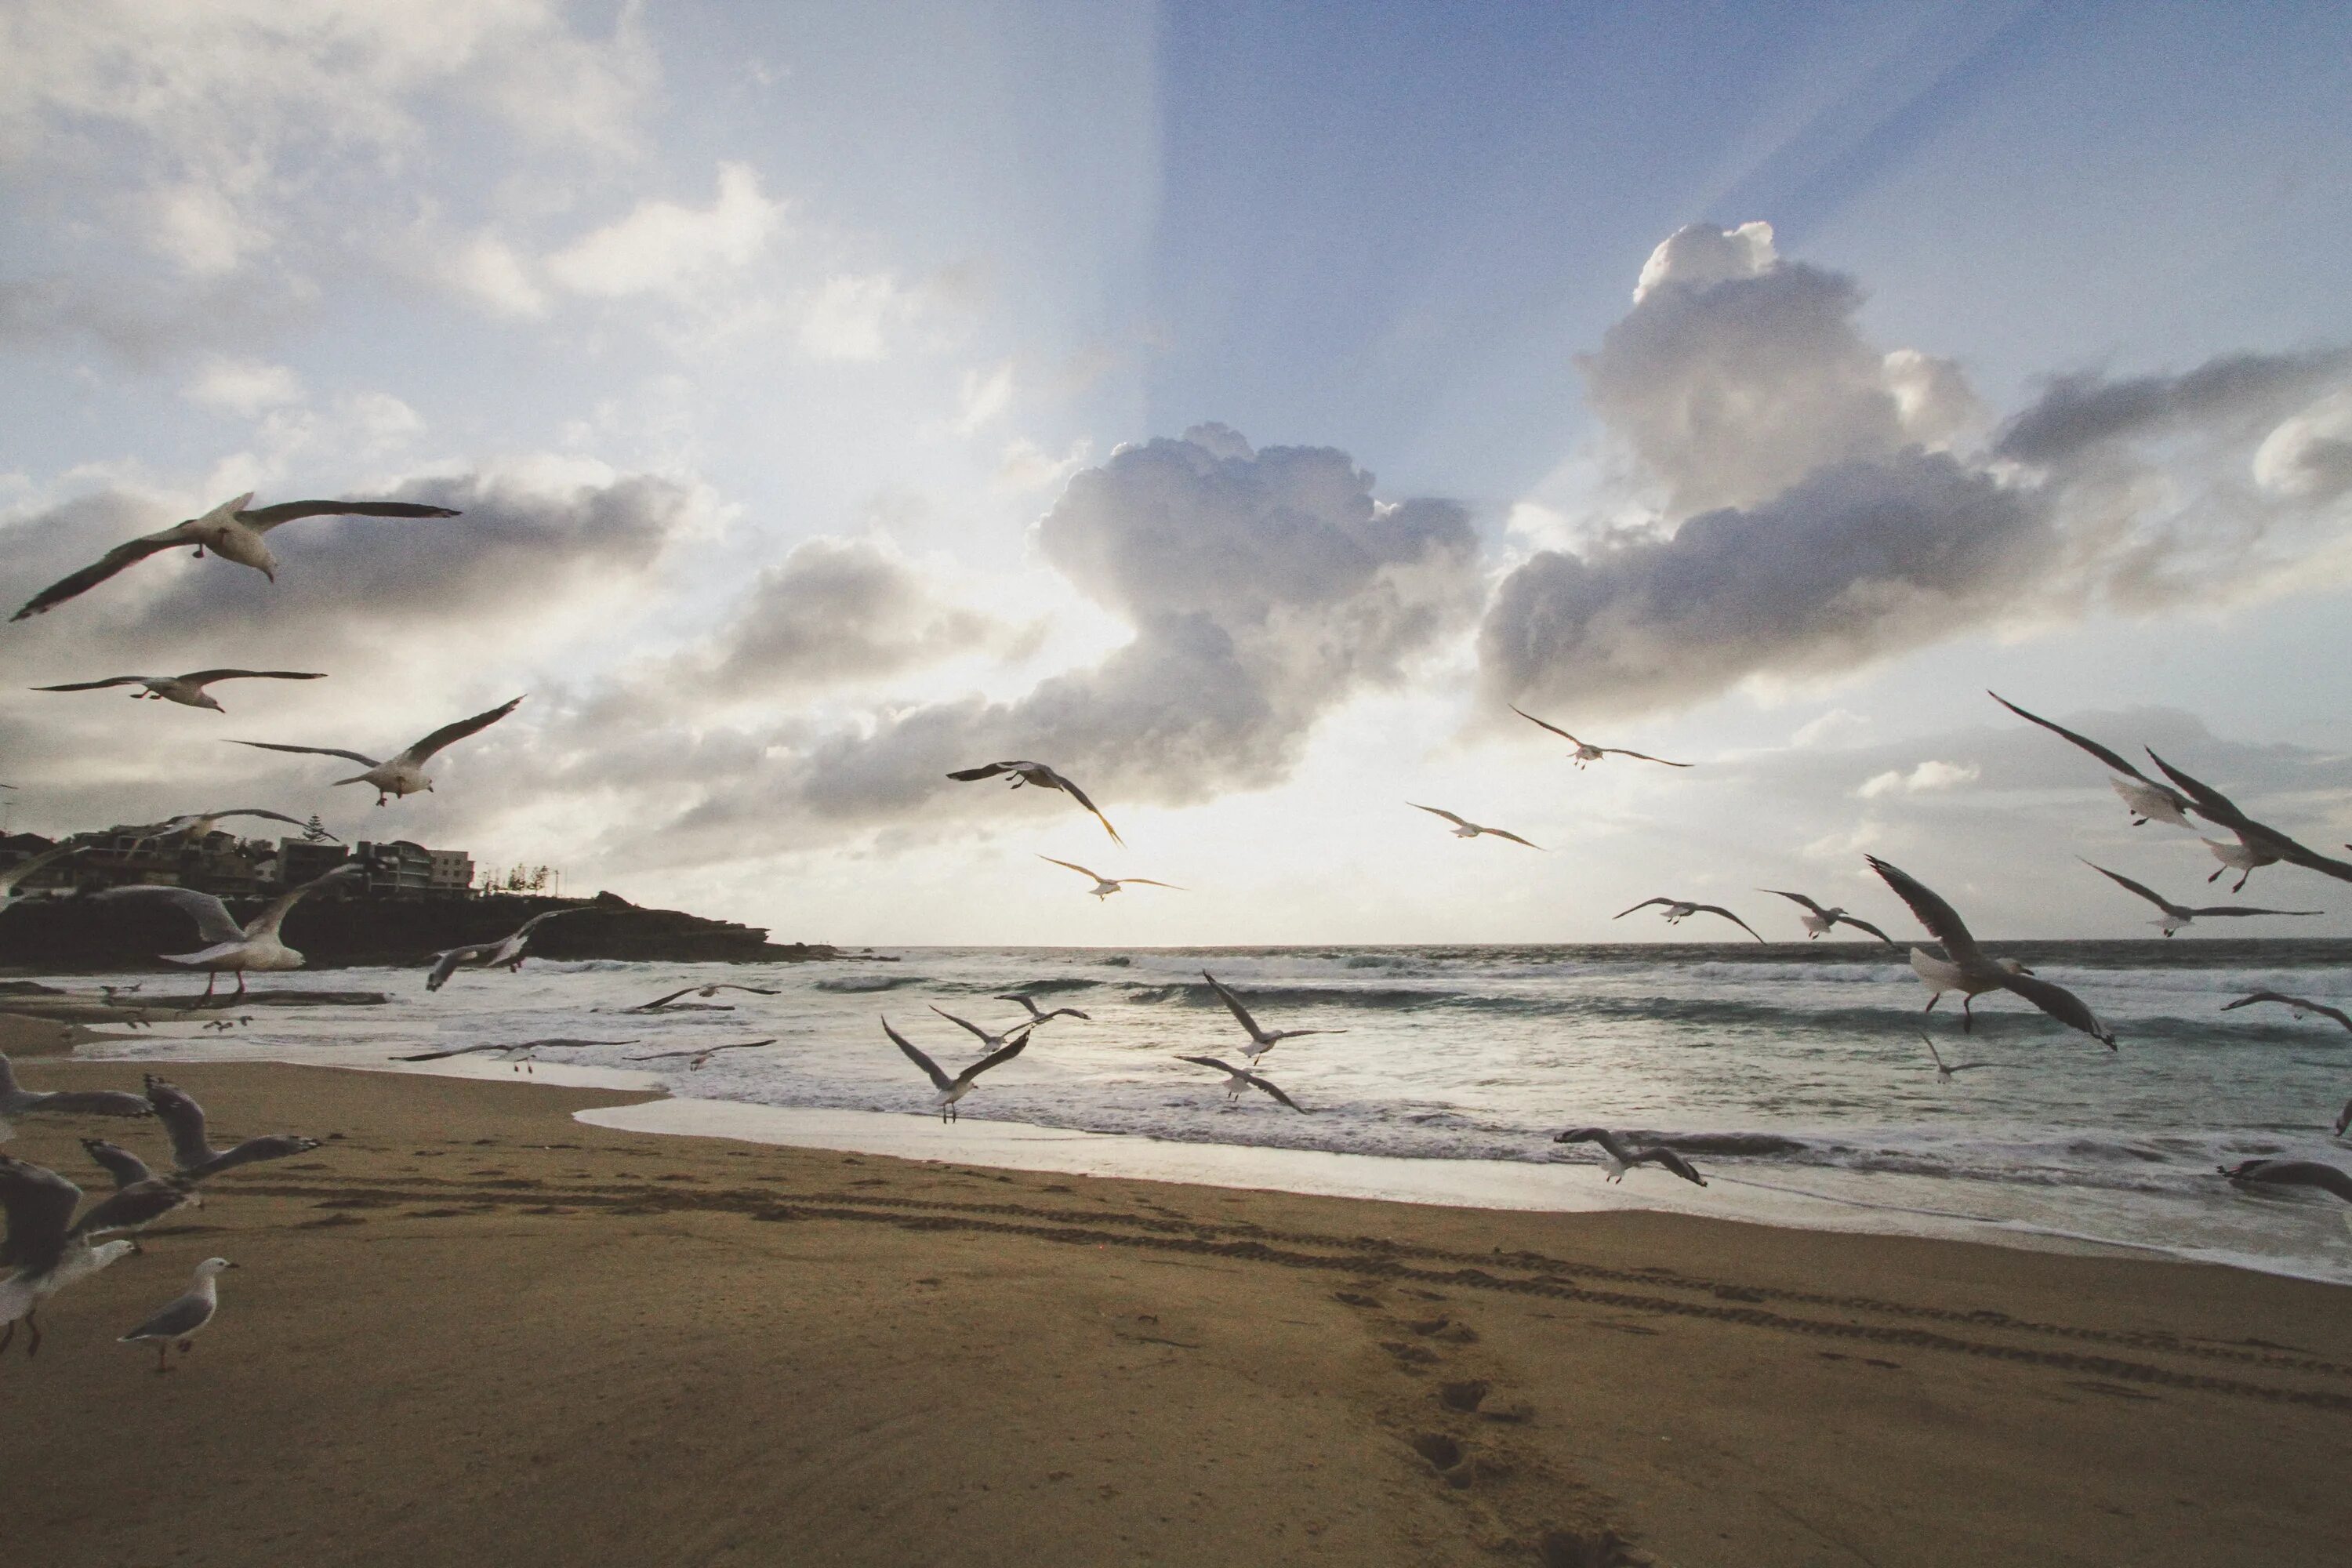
<point x="1793" y="1075"/>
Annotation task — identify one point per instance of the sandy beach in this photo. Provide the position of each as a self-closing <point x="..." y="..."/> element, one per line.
<point x="473" y="1330"/>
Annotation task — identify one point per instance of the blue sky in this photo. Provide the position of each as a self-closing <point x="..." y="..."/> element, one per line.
<point x="666" y="294"/>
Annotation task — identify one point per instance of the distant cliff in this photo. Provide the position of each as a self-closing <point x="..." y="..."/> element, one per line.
<point x="64" y="935"/>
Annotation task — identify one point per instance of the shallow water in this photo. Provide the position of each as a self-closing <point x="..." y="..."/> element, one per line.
<point x="1792" y="1070"/>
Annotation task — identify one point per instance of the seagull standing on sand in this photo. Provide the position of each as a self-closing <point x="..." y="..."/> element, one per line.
<point x="49" y="1251"/>
<point x="1943" y="1072"/>
<point x="703" y="1054"/>
<point x="192" y="1155"/>
<point x="229" y="531"/>
<point x="1587" y="752"/>
<point x="1819" y="922"/>
<point x="1105" y="886"/>
<point x="1044" y="777"/>
<point x="1038" y="1015"/>
<point x="2302" y="1007"/>
<point x="179" y="1319"/>
<point x="2178" y="915"/>
<point x="15" y="1102"/>
<point x="1970" y="971"/>
<point x="2292" y="1173"/>
<point x="1240" y="1078"/>
<point x="188" y="690"/>
<point x="952" y="1089"/>
<point x="507" y="949"/>
<point x="404" y="771"/>
<point x="1262" y="1040"/>
<point x="1619" y="1159"/>
<point x="1465" y="828"/>
<point x="1680" y="909"/>
<point x="253" y="945"/>
<point x="2146" y="799"/>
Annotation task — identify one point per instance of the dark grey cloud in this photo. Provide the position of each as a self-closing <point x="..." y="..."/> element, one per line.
<point x="2249" y="392"/>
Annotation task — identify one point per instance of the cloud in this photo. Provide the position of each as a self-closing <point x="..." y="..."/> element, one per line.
<point x="848" y="316"/>
<point x="663" y="247"/>
<point x="1926" y="779"/>
<point x="2079" y="415"/>
<point x="244" y="387"/>
<point x="2309" y="455"/>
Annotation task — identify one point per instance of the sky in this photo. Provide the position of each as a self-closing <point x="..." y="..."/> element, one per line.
<point x="1241" y="408"/>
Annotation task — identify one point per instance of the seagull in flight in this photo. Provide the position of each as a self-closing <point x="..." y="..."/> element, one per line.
<point x="1619" y="1159"/>
<point x="188" y="690"/>
<point x="1970" y="971"/>
<point x="507" y="949"/>
<point x="1044" y="777"/>
<point x="16" y="876"/>
<point x="1465" y="828"/>
<point x="2147" y="800"/>
<point x="404" y="771"/>
<point x="519" y="1054"/>
<point x="47" y="1249"/>
<point x="671" y="1003"/>
<point x="2258" y="844"/>
<point x="230" y="530"/>
<point x="253" y="945"/>
<point x="16" y="1101"/>
<point x="2178" y="915"/>
<point x="1038" y="1015"/>
<point x="987" y="1041"/>
<point x="703" y="1054"/>
<point x="954" y="1088"/>
<point x="2302" y="1006"/>
<point x="1240" y="1078"/>
<point x="1105" y="886"/>
<point x="1680" y="909"/>
<point x="1585" y="751"/>
<point x="1944" y="1072"/>
<point x="1262" y="1040"/>
<point x="1819" y="922"/>
<point x="2293" y="1173"/>
<point x="196" y="823"/>
<point x="193" y="1157"/>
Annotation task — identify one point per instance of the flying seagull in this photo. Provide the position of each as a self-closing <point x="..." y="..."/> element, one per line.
<point x="180" y="1319"/>
<point x="253" y="945"/>
<point x="1585" y="751"/>
<point x="671" y="1003"/>
<point x="2293" y="1173"/>
<point x="2178" y="915"/>
<point x="1970" y="971"/>
<point x="1240" y="1078"/>
<point x="229" y="531"/>
<point x="1680" y="909"/>
<point x="402" y="773"/>
<point x="1819" y="922"/>
<point x="188" y="690"/>
<point x="2145" y="798"/>
<point x="196" y="823"/>
<point x="1038" y="1015"/>
<point x="47" y="1249"/>
<point x="1619" y="1159"/>
<point x="192" y="1155"/>
<point x="519" y="1053"/>
<point x="1044" y="777"/>
<point x="704" y="1054"/>
<point x="2255" y="839"/>
<point x="1105" y="886"/>
<point x="1943" y="1072"/>
<point x="16" y="876"/>
<point x="1262" y="1040"/>
<point x="954" y="1088"/>
<point x="2301" y="1005"/>
<point x="1465" y="828"/>
<point x="507" y="949"/>
<point x="16" y="1101"/>
<point x="987" y="1041"/>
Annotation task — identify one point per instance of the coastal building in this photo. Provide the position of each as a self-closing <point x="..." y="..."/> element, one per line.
<point x="233" y="868"/>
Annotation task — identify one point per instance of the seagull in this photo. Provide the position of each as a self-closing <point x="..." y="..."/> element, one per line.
<point x="1621" y="1158"/>
<point x="1044" y="777"/>
<point x="954" y="1088"/>
<point x="1240" y="1078"/>
<point x="1105" y="886"/>
<point x="192" y="1155"/>
<point x="2147" y="800"/>
<point x="1680" y="909"/>
<point x="1465" y="828"/>
<point x="507" y="949"/>
<point x="1971" y="972"/>
<point x="1585" y="751"/>
<point x="253" y="945"/>
<point x="519" y="1054"/>
<point x="2343" y="1119"/>
<point x="2255" y="839"/>
<point x="2293" y="1173"/>
<point x="987" y="1041"/>
<point x="670" y="1003"/>
<point x="2302" y="1006"/>
<point x="196" y="823"/>
<point x="1943" y="1073"/>
<point x="46" y="1250"/>
<point x="16" y="876"/>
<point x="1819" y="922"/>
<point x="229" y="531"/>
<point x="16" y="1102"/>
<point x="2178" y="915"/>
<point x="1261" y="1041"/>
<point x="1038" y="1015"/>
<point x="180" y="1319"/>
<point x="703" y="1055"/>
<point x="188" y="690"/>
<point x="402" y="773"/>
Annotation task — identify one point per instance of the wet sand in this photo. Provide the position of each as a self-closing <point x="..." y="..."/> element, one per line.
<point x="472" y="1329"/>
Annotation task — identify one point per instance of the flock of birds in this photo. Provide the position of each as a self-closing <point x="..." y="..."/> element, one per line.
<point x="51" y="1241"/>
